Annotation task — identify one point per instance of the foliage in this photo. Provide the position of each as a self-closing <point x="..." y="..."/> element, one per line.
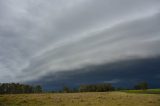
<point x="96" y="88"/>
<point x="142" y="86"/>
<point x="66" y="89"/>
<point x="38" y="89"/>
<point x="16" y="88"/>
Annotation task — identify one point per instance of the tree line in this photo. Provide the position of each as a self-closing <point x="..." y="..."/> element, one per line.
<point x="141" y="86"/>
<point x="16" y="88"/>
<point x="96" y="88"/>
<point x="103" y="87"/>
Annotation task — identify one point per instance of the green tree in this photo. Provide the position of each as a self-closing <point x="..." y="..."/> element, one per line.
<point x="141" y="85"/>
<point x="96" y="88"/>
<point x="66" y="89"/>
<point x="16" y="88"/>
<point x="38" y="89"/>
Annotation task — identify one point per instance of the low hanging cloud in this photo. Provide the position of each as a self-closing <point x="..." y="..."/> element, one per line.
<point x="42" y="37"/>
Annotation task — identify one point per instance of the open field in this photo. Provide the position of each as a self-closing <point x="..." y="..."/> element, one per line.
<point x="81" y="99"/>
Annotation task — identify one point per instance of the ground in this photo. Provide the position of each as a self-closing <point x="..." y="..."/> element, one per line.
<point x="81" y="99"/>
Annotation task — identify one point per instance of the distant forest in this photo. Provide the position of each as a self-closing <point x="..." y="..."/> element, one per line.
<point x="17" y="88"/>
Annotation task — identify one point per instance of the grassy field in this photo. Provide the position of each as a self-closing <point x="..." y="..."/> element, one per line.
<point x="81" y="99"/>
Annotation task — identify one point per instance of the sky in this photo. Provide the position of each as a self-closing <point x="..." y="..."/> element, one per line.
<point x="56" y="41"/>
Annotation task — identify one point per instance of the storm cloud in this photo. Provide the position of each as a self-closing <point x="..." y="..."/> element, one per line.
<point x="48" y="36"/>
<point x="125" y="73"/>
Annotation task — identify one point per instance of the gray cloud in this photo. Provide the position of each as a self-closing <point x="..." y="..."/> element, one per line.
<point x="41" y="37"/>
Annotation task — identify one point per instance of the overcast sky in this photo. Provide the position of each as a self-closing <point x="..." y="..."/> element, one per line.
<point x="39" y="37"/>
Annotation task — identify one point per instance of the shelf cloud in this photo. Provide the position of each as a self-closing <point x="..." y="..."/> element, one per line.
<point x="48" y="36"/>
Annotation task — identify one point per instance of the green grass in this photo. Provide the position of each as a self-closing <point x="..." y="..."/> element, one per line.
<point x="81" y="99"/>
<point x="148" y="91"/>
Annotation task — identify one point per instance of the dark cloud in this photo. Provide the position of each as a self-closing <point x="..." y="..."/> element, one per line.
<point x="120" y="74"/>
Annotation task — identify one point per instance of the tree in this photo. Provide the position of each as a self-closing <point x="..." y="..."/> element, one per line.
<point x="66" y="89"/>
<point x="38" y="89"/>
<point x="16" y="88"/>
<point x="96" y="88"/>
<point x="141" y="85"/>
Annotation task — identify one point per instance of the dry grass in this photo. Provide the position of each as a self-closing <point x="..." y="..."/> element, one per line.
<point x="81" y="99"/>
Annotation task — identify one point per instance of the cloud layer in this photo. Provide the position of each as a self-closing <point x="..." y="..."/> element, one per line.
<point x="125" y="73"/>
<point x="41" y="37"/>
